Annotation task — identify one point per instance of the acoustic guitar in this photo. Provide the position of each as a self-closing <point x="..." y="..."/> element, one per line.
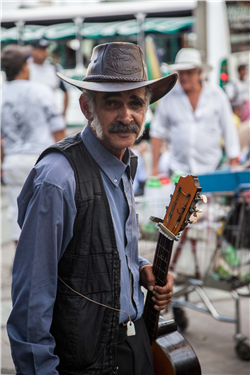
<point x="172" y="353"/>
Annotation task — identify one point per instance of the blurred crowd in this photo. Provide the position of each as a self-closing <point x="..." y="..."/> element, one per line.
<point x="199" y="127"/>
<point x="30" y="119"/>
<point x="195" y="129"/>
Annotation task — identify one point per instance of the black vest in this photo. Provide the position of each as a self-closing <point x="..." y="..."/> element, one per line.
<point x="86" y="333"/>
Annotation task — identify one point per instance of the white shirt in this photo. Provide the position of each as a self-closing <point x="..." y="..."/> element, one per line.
<point x="238" y="92"/>
<point x="195" y="136"/>
<point x="45" y="73"/>
<point x="28" y="117"/>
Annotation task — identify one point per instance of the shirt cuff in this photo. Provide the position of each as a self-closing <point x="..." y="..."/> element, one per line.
<point x="143" y="262"/>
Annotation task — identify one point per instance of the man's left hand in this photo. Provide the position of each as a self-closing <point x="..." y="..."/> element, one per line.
<point x="161" y="295"/>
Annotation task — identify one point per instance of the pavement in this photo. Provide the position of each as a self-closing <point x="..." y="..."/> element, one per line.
<point x="213" y="341"/>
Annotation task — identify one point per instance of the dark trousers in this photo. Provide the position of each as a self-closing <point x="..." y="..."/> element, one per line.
<point x="134" y="355"/>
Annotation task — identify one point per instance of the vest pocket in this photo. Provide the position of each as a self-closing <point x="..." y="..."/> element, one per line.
<point x="85" y="331"/>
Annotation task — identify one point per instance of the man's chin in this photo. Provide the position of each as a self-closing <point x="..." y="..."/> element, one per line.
<point x="125" y="139"/>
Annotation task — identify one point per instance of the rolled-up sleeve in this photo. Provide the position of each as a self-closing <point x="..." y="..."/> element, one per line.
<point x="47" y="227"/>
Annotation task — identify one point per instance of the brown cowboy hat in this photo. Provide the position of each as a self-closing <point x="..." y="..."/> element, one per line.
<point x="116" y="67"/>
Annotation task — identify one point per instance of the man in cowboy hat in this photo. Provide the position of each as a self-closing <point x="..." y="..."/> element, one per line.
<point x="77" y="301"/>
<point x="194" y="118"/>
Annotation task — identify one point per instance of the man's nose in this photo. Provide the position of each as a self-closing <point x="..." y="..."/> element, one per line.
<point x="125" y="115"/>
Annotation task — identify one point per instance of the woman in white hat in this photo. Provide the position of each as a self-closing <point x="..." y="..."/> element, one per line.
<point x="193" y="118"/>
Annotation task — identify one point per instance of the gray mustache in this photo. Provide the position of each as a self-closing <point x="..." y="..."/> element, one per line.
<point x="119" y="127"/>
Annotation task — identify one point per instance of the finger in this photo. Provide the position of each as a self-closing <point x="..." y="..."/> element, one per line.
<point x="161" y="305"/>
<point x="162" y="297"/>
<point x="168" y="286"/>
<point x="163" y="290"/>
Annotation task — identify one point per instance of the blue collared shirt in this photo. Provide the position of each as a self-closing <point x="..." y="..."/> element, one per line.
<point x="46" y="214"/>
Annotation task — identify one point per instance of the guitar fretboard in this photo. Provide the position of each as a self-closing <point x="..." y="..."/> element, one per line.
<point x="160" y="269"/>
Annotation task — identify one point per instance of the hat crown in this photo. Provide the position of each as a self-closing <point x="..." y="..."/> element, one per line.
<point x="189" y="55"/>
<point x="116" y="62"/>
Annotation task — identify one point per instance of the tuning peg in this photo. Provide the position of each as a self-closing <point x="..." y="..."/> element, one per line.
<point x="203" y="198"/>
<point x="192" y="222"/>
<point x="155" y="219"/>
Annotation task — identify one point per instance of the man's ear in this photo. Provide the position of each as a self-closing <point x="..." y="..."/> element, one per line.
<point x="85" y="108"/>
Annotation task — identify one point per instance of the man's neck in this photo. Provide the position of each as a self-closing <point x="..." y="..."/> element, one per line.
<point x="21" y="77"/>
<point x="195" y="90"/>
<point x="38" y="62"/>
<point x="193" y="96"/>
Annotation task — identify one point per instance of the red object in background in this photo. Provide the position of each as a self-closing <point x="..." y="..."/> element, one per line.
<point x="224" y="77"/>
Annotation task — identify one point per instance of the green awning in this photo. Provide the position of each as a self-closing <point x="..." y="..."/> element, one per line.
<point x="97" y="30"/>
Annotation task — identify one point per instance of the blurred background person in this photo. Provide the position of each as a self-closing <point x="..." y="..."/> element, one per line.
<point x="141" y="173"/>
<point x="30" y="122"/>
<point x="238" y="90"/>
<point x="194" y="118"/>
<point x="43" y="71"/>
<point x="246" y="111"/>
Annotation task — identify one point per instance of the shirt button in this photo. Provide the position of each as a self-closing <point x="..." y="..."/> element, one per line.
<point x="115" y="180"/>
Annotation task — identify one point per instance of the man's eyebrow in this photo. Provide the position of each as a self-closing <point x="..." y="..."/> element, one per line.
<point x="138" y="98"/>
<point x="118" y="94"/>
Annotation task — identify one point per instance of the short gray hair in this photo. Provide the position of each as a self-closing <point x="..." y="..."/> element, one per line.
<point x="90" y="95"/>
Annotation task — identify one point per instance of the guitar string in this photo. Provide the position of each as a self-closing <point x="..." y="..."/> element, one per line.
<point x="150" y="303"/>
<point x="152" y="322"/>
<point x="161" y="247"/>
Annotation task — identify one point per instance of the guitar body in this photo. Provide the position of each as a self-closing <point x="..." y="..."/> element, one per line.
<point x="173" y="355"/>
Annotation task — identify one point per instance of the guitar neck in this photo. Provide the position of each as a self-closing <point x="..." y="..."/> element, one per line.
<point x="160" y="269"/>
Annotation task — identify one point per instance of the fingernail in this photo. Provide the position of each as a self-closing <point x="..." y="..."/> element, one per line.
<point x="151" y="288"/>
<point x="153" y="299"/>
<point x="157" y="308"/>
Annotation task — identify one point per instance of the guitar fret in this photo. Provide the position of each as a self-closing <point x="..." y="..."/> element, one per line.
<point x="161" y="258"/>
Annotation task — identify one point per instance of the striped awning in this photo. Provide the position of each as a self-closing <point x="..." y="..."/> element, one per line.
<point x="97" y="30"/>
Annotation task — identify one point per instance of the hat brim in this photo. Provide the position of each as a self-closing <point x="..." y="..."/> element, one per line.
<point x="188" y="66"/>
<point x="160" y="87"/>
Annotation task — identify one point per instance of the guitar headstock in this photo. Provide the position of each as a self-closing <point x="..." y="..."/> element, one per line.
<point x="182" y="205"/>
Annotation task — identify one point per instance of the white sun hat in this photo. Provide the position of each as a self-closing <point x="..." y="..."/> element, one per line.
<point x="189" y="58"/>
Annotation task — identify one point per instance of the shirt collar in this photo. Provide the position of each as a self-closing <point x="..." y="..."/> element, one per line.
<point x="110" y="164"/>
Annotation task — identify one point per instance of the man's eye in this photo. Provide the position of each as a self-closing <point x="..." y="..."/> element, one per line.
<point x="136" y="104"/>
<point x="110" y="103"/>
